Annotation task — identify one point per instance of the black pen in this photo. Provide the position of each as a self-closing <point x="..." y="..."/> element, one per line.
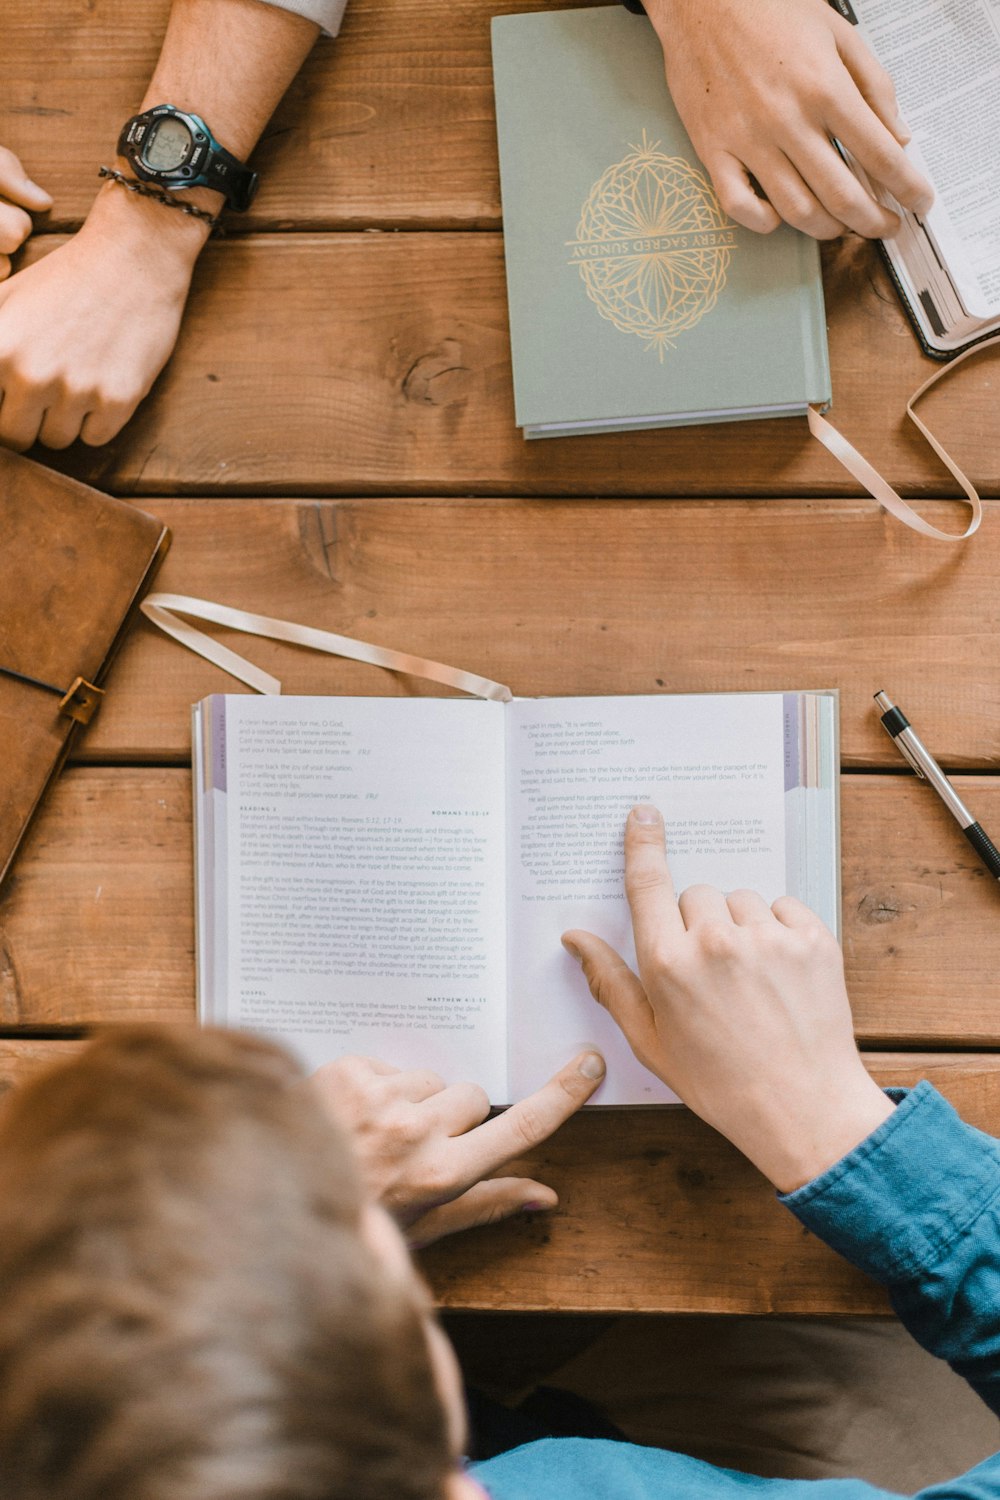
<point x="897" y="725"/>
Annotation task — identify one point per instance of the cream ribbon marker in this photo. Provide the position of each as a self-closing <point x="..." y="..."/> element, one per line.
<point x="163" y="610"/>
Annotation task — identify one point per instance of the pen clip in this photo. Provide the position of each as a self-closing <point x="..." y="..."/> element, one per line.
<point x="909" y="756"/>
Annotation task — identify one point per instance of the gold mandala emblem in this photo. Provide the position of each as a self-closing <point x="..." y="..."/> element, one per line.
<point x="653" y="245"/>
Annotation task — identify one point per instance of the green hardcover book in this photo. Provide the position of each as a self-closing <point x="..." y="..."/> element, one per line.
<point x="634" y="301"/>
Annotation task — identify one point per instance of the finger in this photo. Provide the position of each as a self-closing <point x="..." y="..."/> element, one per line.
<point x="748" y="908"/>
<point x="15" y="226"/>
<point x="648" y="885"/>
<point x="376" y="1065"/>
<point x="61" y="424"/>
<point x="526" y="1124"/>
<point x="841" y="194"/>
<point x="792" y="196"/>
<point x="18" y="186"/>
<point x="484" y="1203"/>
<point x="20" y="419"/>
<point x="4" y="267"/>
<point x="737" y="196"/>
<point x="355" y="1066"/>
<point x="103" y="425"/>
<point x="792" y="912"/>
<point x="339" y="1083"/>
<point x="703" y="903"/>
<point x="459" y="1108"/>
<point x="874" y="84"/>
<point x="882" y="157"/>
<point x="415" y="1085"/>
<point x="613" y="985"/>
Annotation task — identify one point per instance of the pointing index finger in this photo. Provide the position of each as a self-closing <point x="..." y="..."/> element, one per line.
<point x="648" y="885"/>
<point x="531" y="1121"/>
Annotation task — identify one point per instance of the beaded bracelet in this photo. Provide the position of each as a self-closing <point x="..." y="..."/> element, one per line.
<point x="131" y="186"/>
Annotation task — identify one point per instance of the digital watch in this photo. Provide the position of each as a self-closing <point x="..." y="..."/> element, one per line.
<point x="177" y="150"/>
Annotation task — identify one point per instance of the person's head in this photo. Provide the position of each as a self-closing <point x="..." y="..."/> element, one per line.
<point x="196" y="1301"/>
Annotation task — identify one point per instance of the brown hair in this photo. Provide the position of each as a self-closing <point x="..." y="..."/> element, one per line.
<point x="187" y="1310"/>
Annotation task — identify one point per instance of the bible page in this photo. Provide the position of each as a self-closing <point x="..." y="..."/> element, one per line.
<point x="363" y="906"/>
<point x="944" y="60"/>
<point x="713" y="765"/>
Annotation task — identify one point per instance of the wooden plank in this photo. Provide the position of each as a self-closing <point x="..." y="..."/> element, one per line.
<point x="22" y="1060"/>
<point x="379" y="363"/>
<point x="659" y="1214"/>
<point x="651" y="596"/>
<point x="96" y="921"/>
<point x="391" y="124"/>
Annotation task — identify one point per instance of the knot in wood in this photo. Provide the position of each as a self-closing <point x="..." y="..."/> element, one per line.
<point x="876" y="910"/>
<point x="438" y="378"/>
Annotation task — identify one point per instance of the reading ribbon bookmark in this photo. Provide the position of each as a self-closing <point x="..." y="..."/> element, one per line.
<point x="878" y="487"/>
<point x="163" y="610"/>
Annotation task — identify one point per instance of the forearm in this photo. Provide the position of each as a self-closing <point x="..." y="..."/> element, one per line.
<point x="85" y="331"/>
<point x="917" y="1206"/>
<point x="229" y="61"/>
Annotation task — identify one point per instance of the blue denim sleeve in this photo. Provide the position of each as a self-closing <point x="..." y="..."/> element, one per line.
<point x="917" y="1207"/>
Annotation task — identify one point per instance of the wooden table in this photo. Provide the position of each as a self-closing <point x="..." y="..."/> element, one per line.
<point x="333" y="442"/>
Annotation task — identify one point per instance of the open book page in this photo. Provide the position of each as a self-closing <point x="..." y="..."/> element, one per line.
<point x="714" y="767"/>
<point x="945" y="62"/>
<point x="359" y="890"/>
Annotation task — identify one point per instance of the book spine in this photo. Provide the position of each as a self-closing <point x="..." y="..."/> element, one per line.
<point x="815" y="352"/>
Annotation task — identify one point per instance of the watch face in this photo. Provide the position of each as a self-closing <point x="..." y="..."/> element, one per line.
<point x="167" y="145"/>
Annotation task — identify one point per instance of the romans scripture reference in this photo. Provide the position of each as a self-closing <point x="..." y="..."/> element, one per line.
<point x="391" y="877"/>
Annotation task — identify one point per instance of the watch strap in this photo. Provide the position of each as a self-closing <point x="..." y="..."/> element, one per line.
<point x="231" y="177"/>
<point x="636" y="6"/>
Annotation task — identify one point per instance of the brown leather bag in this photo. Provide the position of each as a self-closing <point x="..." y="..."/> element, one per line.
<point x="73" y="566"/>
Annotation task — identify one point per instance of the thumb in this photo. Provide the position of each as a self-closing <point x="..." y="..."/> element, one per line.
<point x="486" y="1203"/>
<point x="28" y="194"/>
<point x="614" y="985"/>
<point x="17" y="186"/>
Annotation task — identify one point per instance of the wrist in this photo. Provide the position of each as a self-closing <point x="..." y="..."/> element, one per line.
<point x="804" y="1137"/>
<point x="165" y="236"/>
<point x="661" y="13"/>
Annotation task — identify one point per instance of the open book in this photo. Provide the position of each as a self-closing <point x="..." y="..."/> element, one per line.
<point x="391" y="876"/>
<point x="944" y="60"/>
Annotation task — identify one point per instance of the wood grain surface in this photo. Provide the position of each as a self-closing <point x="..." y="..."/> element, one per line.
<point x="657" y="1214"/>
<point x="379" y="363"/>
<point x="390" y="124"/>
<point x="96" y="922"/>
<point x="563" y="597"/>
<point x="333" y="442"/>
<point x="660" y="1214"/>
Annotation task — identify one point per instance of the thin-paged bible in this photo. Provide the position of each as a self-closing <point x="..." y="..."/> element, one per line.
<point x="391" y="876"/>
<point x="945" y="63"/>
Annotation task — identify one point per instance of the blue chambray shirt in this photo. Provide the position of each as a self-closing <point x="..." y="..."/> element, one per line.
<point x="916" y="1206"/>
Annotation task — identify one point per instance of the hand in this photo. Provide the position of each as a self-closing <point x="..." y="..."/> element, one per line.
<point x="17" y="193"/>
<point x="741" y="1009"/>
<point x="85" y="331"/>
<point x="427" y="1155"/>
<point x="763" y="86"/>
